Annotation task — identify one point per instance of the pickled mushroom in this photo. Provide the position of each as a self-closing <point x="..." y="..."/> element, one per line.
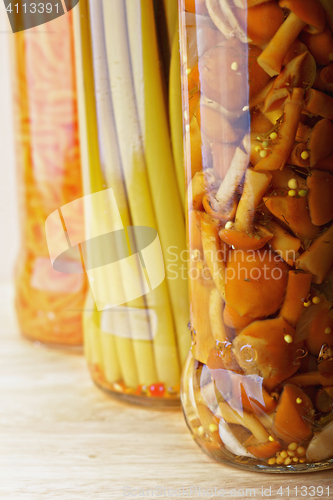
<point x="320" y="197"/>
<point x="300" y="72"/>
<point x="318" y="258"/>
<point x="261" y="114"/>
<point x="286" y="133"/>
<point x="263" y="21"/>
<point x="320" y="45"/>
<point x="243" y="234"/>
<point x="318" y="103"/>
<point x="321" y="445"/>
<point x="294" y="212"/>
<point x="298" y="289"/>
<point x="255" y="282"/>
<point x="261" y="349"/>
<point x="284" y="244"/>
<point x="304" y="14"/>
<point x="319" y="144"/>
<point x="294" y="415"/>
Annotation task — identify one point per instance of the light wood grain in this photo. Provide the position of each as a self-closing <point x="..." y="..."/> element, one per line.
<point x="62" y="438"/>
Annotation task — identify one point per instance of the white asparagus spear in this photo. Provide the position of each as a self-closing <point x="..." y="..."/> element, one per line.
<point x="91" y="337"/>
<point x="131" y="353"/>
<point x="159" y="158"/>
<point x="135" y="174"/>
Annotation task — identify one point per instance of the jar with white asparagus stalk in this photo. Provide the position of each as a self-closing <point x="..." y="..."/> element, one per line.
<point x="136" y="318"/>
<point x="257" y="87"/>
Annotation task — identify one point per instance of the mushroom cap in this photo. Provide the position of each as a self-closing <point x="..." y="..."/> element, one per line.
<point x="309" y="11"/>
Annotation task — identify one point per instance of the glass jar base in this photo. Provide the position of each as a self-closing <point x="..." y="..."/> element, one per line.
<point x="119" y="391"/>
<point x="208" y="438"/>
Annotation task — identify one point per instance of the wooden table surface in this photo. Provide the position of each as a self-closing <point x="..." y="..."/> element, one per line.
<point x="63" y="438"/>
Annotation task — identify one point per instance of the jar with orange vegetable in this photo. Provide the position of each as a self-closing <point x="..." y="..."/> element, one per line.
<point x="257" y="112"/>
<point x="49" y="303"/>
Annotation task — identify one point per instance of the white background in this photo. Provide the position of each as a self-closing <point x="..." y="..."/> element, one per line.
<point x="9" y="230"/>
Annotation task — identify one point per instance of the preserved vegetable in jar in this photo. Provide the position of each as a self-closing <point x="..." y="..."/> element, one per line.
<point x="49" y="303"/>
<point x="257" y="80"/>
<point x="129" y="96"/>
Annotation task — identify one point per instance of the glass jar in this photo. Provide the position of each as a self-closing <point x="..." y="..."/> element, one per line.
<point x="136" y="322"/>
<point x="48" y="303"/>
<point x="258" y="386"/>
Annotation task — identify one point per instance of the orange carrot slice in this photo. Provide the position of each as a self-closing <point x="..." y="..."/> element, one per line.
<point x="294" y="415"/>
<point x="298" y="289"/>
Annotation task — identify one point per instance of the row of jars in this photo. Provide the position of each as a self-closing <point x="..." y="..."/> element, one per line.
<point x="104" y="127"/>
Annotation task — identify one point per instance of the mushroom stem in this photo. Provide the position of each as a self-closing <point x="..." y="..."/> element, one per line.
<point x="249" y="421"/>
<point x="298" y="289"/>
<point x="256" y="184"/>
<point x="287" y="132"/>
<point x="227" y="11"/>
<point x="310" y="378"/>
<point x="233" y="177"/>
<point x="213" y="253"/>
<point x="215" y="314"/>
<point x="218" y="18"/>
<point x="271" y="58"/>
<point x="318" y="103"/>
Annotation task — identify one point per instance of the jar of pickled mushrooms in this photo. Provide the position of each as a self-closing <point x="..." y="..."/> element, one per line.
<point x="257" y="80"/>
